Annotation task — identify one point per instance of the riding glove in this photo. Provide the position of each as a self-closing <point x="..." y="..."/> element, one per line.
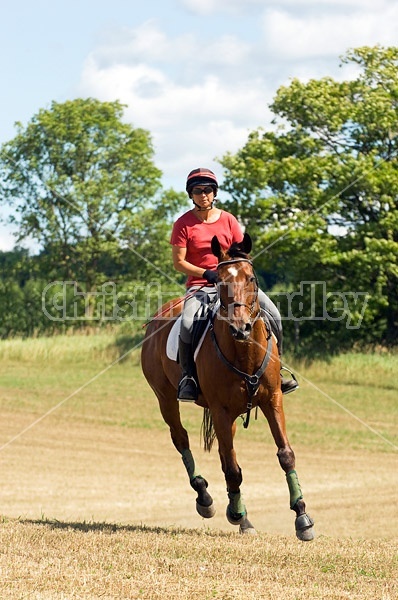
<point x="211" y="276"/>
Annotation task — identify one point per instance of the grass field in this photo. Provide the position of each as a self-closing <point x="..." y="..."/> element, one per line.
<point x="95" y="502"/>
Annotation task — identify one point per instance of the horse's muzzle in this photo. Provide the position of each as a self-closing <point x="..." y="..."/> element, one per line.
<point x="241" y="333"/>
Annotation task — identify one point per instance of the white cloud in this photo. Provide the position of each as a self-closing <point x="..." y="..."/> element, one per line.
<point x="7" y="239"/>
<point x="295" y="37"/>
<point x="208" y="7"/>
<point x="199" y="95"/>
<point x="146" y="42"/>
<point x="195" y="109"/>
<point x="328" y="4"/>
<point x="189" y="123"/>
<point x="187" y="54"/>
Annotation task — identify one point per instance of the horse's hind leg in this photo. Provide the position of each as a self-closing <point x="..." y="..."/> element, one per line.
<point x="273" y="411"/>
<point x="169" y="407"/>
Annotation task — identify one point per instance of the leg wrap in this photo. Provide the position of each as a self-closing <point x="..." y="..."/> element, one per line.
<point x="294" y="488"/>
<point x="189" y="464"/>
<point x="236" y="503"/>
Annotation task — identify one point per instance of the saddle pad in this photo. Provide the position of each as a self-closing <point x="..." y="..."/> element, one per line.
<point x="172" y="340"/>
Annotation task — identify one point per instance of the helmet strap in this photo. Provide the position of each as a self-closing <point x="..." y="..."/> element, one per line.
<point x="200" y="208"/>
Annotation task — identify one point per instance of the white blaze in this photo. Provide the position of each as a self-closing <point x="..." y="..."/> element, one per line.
<point x="233" y="271"/>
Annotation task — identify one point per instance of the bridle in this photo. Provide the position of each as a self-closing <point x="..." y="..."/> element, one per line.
<point x="234" y="304"/>
<point x="252" y="380"/>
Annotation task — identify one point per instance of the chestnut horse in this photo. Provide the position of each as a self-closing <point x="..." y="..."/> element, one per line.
<point x="238" y="368"/>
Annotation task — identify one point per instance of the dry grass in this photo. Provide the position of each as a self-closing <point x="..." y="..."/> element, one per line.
<point x="96" y="502"/>
<point x="83" y="560"/>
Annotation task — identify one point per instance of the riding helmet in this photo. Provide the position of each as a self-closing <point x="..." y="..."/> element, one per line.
<point x="201" y="177"/>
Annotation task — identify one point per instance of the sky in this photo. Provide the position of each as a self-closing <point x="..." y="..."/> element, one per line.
<point x="199" y="75"/>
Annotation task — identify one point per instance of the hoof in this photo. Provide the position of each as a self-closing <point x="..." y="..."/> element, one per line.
<point x="304" y="528"/>
<point x="245" y="527"/>
<point x="204" y="502"/>
<point x="206" y="511"/>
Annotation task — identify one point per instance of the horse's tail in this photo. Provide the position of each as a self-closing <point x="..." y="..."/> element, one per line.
<point x="207" y="430"/>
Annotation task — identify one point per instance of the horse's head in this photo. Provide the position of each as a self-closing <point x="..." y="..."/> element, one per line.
<point x="237" y="286"/>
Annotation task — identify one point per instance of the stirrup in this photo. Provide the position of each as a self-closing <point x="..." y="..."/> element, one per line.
<point x="187" y="389"/>
<point x="288" y="385"/>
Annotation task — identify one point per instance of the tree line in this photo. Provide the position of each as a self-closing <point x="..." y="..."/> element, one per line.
<point x="317" y="191"/>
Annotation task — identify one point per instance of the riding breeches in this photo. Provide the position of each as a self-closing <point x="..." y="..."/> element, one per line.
<point x="195" y="301"/>
<point x="274" y="316"/>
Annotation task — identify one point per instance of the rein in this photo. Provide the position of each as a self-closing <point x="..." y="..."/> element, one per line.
<point x="252" y="380"/>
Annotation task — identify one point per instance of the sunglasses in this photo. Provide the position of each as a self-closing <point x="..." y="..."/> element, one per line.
<point x="199" y="191"/>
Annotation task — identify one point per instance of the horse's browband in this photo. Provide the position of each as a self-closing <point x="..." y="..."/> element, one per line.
<point x="234" y="260"/>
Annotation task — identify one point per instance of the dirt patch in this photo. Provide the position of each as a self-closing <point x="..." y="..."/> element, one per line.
<point x="78" y="472"/>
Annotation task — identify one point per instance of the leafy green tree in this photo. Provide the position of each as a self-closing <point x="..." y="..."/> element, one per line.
<point x="17" y="265"/>
<point x="319" y="192"/>
<point x="82" y="184"/>
<point x="79" y="181"/>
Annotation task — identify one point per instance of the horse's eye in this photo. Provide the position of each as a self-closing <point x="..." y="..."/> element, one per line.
<point x="252" y="279"/>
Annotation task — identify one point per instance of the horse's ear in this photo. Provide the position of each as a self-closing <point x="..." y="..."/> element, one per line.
<point x="215" y="247"/>
<point x="246" y="244"/>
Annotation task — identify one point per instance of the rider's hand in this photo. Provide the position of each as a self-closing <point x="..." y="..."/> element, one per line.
<point x="211" y="276"/>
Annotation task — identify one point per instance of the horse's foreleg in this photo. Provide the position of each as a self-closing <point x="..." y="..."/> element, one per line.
<point x="170" y="410"/>
<point x="204" y="502"/>
<point x="236" y="509"/>
<point x="276" y="419"/>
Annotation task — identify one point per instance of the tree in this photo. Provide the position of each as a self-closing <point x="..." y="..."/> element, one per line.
<point x="320" y="191"/>
<point x="78" y="180"/>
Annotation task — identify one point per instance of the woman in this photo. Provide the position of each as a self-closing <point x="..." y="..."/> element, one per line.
<point x="191" y="241"/>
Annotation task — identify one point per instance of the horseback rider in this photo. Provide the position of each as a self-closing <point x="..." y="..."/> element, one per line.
<point x="191" y="246"/>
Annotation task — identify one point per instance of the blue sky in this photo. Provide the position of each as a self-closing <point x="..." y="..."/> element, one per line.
<point x="197" y="74"/>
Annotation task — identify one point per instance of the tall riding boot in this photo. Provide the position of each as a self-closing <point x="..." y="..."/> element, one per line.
<point x="287" y="385"/>
<point x="188" y="387"/>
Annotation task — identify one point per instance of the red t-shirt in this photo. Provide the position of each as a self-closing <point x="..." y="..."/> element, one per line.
<point x="195" y="235"/>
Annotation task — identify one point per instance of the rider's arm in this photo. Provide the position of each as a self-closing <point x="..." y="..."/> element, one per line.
<point x="182" y="265"/>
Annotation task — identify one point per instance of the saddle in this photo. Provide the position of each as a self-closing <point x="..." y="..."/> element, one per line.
<point x="201" y="324"/>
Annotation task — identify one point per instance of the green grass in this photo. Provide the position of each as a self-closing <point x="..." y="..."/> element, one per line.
<point x="72" y="349"/>
<point x="338" y="404"/>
